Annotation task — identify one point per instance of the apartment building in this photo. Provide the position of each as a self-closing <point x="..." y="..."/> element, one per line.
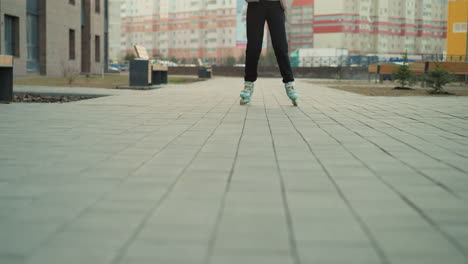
<point x="115" y="29"/>
<point x="301" y="24"/>
<point x="185" y="29"/>
<point x="457" y="38"/>
<point x="137" y="24"/>
<point x="370" y="26"/>
<point x="48" y="37"/>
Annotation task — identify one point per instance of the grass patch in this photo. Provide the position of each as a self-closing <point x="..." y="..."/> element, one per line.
<point x="108" y="81"/>
<point x="388" y="91"/>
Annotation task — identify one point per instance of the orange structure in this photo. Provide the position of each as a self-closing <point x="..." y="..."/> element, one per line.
<point x="457" y="30"/>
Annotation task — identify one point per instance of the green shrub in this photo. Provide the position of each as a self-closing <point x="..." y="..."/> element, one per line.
<point x="129" y="57"/>
<point x="267" y="60"/>
<point x="241" y="59"/>
<point x="438" y="78"/>
<point x="403" y="75"/>
<point x="230" y="61"/>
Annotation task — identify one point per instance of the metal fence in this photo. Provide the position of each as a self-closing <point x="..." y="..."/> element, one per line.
<point x="450" y="58"/>
<point x="337" y="61"/>
<point x="366" y="60"/>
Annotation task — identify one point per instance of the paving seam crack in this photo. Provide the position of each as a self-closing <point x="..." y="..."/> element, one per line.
<point x="372" y="240"/>
<point x="284" y="197"/>
<point x="219" y="216"/>
<point x="438" y="183"/>
<point x="421" y="213"/>
<point x="123" y="250"/>
<point x="412" y="135"/>
<point x="443" y="186"/>
<point x="64" y="226"/>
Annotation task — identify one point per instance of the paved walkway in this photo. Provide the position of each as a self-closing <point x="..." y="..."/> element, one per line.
<point x="184" y="175"/>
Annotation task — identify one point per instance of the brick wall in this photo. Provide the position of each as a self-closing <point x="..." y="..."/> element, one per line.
<point x="56" y="20"/>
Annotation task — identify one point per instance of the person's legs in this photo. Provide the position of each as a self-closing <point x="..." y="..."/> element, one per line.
<point x="256" y="16"/>
<point x="276" y="23"/>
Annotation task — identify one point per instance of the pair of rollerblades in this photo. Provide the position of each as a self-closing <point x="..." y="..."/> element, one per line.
<point x="247" y="93"/>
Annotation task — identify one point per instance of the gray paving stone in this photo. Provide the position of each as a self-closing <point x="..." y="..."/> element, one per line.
<point x="12" y="259"/>
<point x="83" y="254"/>
<point x="20" y="239"/>
<point x="165" y="252"/>
<point x="417" y="243"/>
<point x="186" y="175"/>
<point x="45" y="214"/>
<point x="250" y="242"/>
<point x="327" y="253"/>
<point x="428" y="259"/>
<point x="226" y="258"/>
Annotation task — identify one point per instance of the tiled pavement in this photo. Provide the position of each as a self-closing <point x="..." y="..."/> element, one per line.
<point x="184" y="175"/>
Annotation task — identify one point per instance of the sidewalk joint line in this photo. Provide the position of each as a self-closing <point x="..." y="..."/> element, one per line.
<point x="284" y="196"/>
<point x="219" y="216"/>
<point x="378" y="249"/>
<point x="421" y="213"/>
<point x="123" y="250"/>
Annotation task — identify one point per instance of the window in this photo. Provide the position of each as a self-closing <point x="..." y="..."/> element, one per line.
<point x="98" y="6"/>
<point x="32" y="35"/>
<point x="97" y="46"/>
<point x="12" y="35"/>
<point x="71" y="44"/>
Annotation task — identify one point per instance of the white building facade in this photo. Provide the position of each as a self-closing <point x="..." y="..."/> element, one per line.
<point x="381" y="26"/>
<point x="185" y="29"/>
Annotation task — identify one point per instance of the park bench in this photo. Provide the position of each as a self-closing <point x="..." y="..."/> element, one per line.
<point x="143" y="72"/>
<point x="204" y="72"/>
<point x="382" y="71"/>
<point x="6" y="79"/>
<point x="385" y="71"/>
<point x="418" y="68"/>
<point x="457" y="68"/>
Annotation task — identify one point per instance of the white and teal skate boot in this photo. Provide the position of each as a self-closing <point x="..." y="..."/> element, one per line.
<point x="247" y="93"/>
<point x="291" y="92"/>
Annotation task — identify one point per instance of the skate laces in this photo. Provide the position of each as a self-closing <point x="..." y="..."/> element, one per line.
<point x="248" y="87"/>
<point x="290" y="88"/>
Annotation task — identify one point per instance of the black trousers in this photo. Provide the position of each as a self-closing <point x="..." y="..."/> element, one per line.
<point x="257" y="14"/>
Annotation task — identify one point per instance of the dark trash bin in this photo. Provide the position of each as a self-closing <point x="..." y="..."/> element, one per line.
<point x="160" y="75"/>
<point x="140" y="73"/>
<point x="205" y="73"/>
<point x="6" y="79"/>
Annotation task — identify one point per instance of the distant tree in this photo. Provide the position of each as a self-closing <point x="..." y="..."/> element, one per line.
<point x="271" y="58"/>
<point x="267" y="60"/>
<point x="403" y="74"/>
<point x="262" y="60"/>
<point x="70" y="71"/>
<point x="438" y="78"/>
<point x="241" y="59"/>
<point x="129" y="57"/>
<point x="230" y="61"/>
